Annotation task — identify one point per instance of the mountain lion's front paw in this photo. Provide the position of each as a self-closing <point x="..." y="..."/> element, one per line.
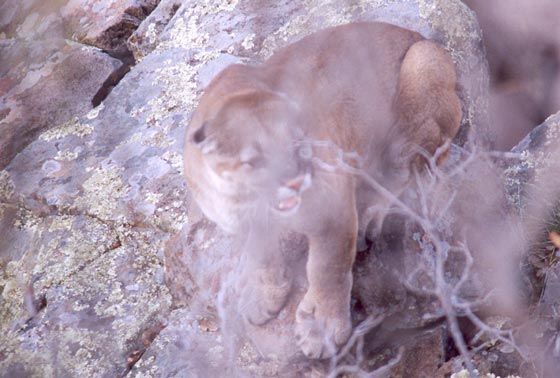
<point x="321" y="328"/>
<point x="262" y="295"/>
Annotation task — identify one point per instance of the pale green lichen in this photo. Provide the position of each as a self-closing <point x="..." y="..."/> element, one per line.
<point x="151" y="36"/>
<point x="11" y="306"/>
<point x="317" y="15"/>
<point x="61" y="223"/>
<point x="153" y="197"/>
<point x="26" y="220"/>
<point x="209" y="7"/>
<point x="439" y="12"/>
<point x="135" y="138"/>
<point x="186" y="35"/>
<point x="552" y="131"/>
<point x="251" y="361"/>
<point x="249" y="41"/>
<point x="85" y="352"/>
<point x="149" y="366"/>
<point x="177" y="93"/>
<point x="103" y="191"/>
<point x="160" y="139"/>
<point x="78" y="352"/>
<point x="36" y="365"/>
<point x="293" y="27"/>
<point x="7" y="186"/>
<point x="66" y="155"/>
<point x="465" y="374"/>
<point x="70" y="249"/>
<point x="174" y="159"/>
<point x="171" y="218"/>
<point x="72" y="127"/>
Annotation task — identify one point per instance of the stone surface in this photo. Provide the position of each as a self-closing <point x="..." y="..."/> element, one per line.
<point x="522" y="39"/>
<point x="532" y="179"/>
<point x="534" y="186"/>
<point x="145" y="39"/>
<point x="109" y="265"/>
<point x="45" y="83"/>
<point x="104" y="24"/>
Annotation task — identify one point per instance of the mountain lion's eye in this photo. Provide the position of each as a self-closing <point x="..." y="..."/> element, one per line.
<point x="256" y="162"/>
<point x="200" y="134"/>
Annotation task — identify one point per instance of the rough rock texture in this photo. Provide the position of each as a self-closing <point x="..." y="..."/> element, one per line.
<point x="108" y="268"/>
<point x="45" y="79"/>
<point x="45" y="83"/>
<point x="145" y="39"/>
<point x="533" y="179"/>
<point x="104" y="24"/>
<point x="534" y="186"/>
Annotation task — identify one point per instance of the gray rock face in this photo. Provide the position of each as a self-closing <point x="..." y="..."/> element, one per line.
<point x="103" y="24"/>
<point x="145" y="39"/>
<point x="109" y="268"/>
<point x="522" y="39"/>
<point x="46" y="83"/>
<point x="106" y="24"/>
<point x="47" y="79"/>
<point x="533" y="185"/>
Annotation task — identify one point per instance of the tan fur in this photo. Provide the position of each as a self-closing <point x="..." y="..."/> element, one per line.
<point x="368" y="88"/>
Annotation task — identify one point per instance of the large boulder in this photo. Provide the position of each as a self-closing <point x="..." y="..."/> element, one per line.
<point x="49" y="70"/>
<point x="103" y="24"/>
<point x="522" y="40"/>
<point x="46" y="83"/>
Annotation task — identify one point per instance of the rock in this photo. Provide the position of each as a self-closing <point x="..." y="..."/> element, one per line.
<point x="46" y="83"/>
<point x="522" y="41"/>
<point x="31" y="19"/>
<point x="145" y="38"/>
<point x="109" y="263"/>
<point x="533" y="184"/>
<point x="532" y="177"/>
<point x="86" y="172"/>
<point x="103" y="24"/>
<point x="106" y="24"/>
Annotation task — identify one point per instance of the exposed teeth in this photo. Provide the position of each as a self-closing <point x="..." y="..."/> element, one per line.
<point x="288" y="203"/>
<point x="289" y="195"/>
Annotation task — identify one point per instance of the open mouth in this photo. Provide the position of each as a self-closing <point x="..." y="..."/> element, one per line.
<point x="289" y="195"/>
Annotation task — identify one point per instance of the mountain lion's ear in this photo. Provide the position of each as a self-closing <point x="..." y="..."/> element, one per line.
<point x="206" y="143"/>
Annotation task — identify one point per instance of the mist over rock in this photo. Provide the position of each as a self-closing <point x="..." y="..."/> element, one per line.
<point x="107" y="266"/>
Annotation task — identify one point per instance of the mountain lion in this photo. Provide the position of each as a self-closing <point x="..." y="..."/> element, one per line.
<point x="269" y="147"/>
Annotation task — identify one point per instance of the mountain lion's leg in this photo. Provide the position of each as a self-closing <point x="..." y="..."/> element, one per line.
<point x="323" y="315"/>
<point x="266" y="279"/>
<point x="427" y="106"/>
